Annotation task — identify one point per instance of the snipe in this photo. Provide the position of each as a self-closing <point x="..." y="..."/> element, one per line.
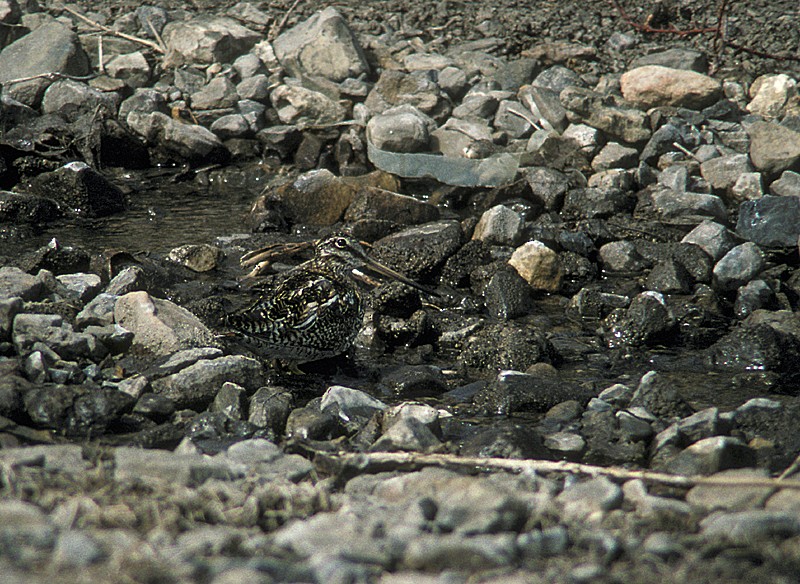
<point x="316" y="310"/>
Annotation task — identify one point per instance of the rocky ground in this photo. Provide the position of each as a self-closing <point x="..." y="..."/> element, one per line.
<point x="605" y="389"/>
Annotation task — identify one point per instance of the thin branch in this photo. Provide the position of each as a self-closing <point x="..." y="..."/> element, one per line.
<point x="50" y="75"/>
<point x="113" y="32"/>
<point x="277" y="30"/>
<point x="402" y="461"/>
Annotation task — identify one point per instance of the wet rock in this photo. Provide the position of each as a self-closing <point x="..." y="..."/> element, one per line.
<point x="207" y="39"/>
<point x="753" y="296"/>
<point x="507" y="347"/>
<point x="51" y="48"/>
<point x="197" y="257"/>
<point x="159" y="326"/>
<point x="769" y="94"/>
<point x="622" y="256"/>
<point x="407" y="434"/>
<point x="196" y="385"/>
<point x="597" y="202"/>
<point x="587" y="498"/>
<point x="374" y="204"/>
<point x="321" y="45"/>
<point x="400" y="129"/>
<point x="420" y="252"/>
<point x="269" y="408"/>
<point x="653" y="85"/>
<point x="84" y="287"/>
<point x="169" y="138"/>
<point x="355" y="408"/>
<point x="648" y="320"/>
<point x="770" y="221"/>
<point x="413" y="381"/>
<point x="548" y="186"/>
<point x="507" y="295"/>
<point x="773" y="147"/>
<point x="458" y="267"/>
<point x="712" y="455"/>
<point x="513" y="391"/>
<point x="80" y="188"/>
<point x="746" y="527"/>
<point x="659" y="396"/>
<point x="538" y="265"/>
<point x="737" y="267"/>
<point x="26" y="208"/>
<point x="614" y="155"/>
<point x="714" y="239"/>
<point x="669" y="277"/>
<point x="604" y="442"/>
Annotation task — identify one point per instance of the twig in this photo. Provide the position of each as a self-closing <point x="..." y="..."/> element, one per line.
<point x="101" y="68"/>
<point x="111" y="31"/>
<point x="277" y="30"/>
<point x="401" y="461"/>
<point x="685" y="150"/>
<point x="155" y="34"/>
<point x="647" y="28"/>
<point x="50" y="75"/>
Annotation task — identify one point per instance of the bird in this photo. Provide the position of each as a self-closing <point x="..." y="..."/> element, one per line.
<point x="316" y="309"/>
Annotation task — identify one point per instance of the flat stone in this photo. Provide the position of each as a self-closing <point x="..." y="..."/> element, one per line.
<point x="653" y="86"/>
<point x="770" y="221"/>
<point x="207" y="39"/>
<point x="713" y="238"/>
<point x="136" y="465"/>
<point x="773" y="147"/>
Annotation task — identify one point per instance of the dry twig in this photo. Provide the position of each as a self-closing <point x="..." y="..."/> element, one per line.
<point x="402" y="461"/>
<point x="273" y="34"/>
<point x="113" y="32"/>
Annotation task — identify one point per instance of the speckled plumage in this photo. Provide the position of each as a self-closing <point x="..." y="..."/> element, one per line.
<point x="315" y="311"/>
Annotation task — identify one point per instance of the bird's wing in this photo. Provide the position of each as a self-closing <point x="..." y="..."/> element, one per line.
<point x="298" y="305"/>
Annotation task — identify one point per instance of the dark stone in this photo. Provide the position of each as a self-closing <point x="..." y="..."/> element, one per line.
<point x="694" y="260"/>
<point x="414" y="381"/>
<point x="269" y="408"/>
<point x="97" y="410"/>
<point x="753" y="296"/>
<point x="770" y="221"/>
<point x="57" y="258"/>
<point x="659" y="396"/>
<point x="401" y="332"/>
<point x="548" y="185"/>
<point x="396" y="299"/>
<point x="311" y="423"/>
<point x="647" y="321"/>
<point x="50" y="406"/>
<point x="506" y="442"/>
<point x="457" y="268"/>
<point x="25" y="208"/>
<point x="516" y="392"/>
<point x="420" y="252"/>
<point x="154" y="406"/>
<point x="507" y="347"/>
<point x="604" y="443"/>
<point x="669" y="277"/>
<point x="597" y="203"/>
<point x="80" y="188"/>
<point x="507" y="295"/>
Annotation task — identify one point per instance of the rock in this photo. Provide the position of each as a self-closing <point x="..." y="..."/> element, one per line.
<point x="81" y="188"/>
<point x="16" y="283"/>
<point x="513" y="391"/>
<point x="66" y="95"/>
<point x="51" y="48"/>
<point x="206" y="39"/>
<point x="565" y="445"/>
<point x="354" y="407"/>
<point x="589" y="139"/>
<point x="548" y="186"/>
<point x="317" y="197"/>
<point x="538" y="265"/>
<point x="748" y="527"/>
<point x="56" y="334"/>
<point x="737" y="267"/>
<point x="395" y="88"/>
<point x="407" y="434"/>
<point x="770" y="221"/>
<point x="269" y="408"/>
<point x="592" y="497"/>
<point x="400" y="129"/>
<point x="22" y="208"/>
<point x="159" y="326"/>
<point x="420" y="252"/>
<point x="499" y="226"/>
<point x="506" y="347"/>
<point x="195" y="386"/>
<point x="171" y="138"/>
<point x="321" y="45"/>
<point x="458" y="138"/>
<point x="769" y="95"/>
<point x="230" y="400"/>
<point x="414" y="381"/>
<point x="302" y="106"/>
<point x="513" y="118"/>
<point x="452" y="552"/>
<point x="712" y="455"/>
<point x="648" y="320"/>
<point x="375" y="204"/>
<point x="557" y="78"/>
<point x="197" y="257"/>
<point x="734" y="497"/>
<point x="773" y="147"/>
<point x="132" y="68"/>
<point x="626" y="124"/>
<point x="659" y="397"/>
<point x="653" y="86"/>
<point x="597" y="202"/>
<point x="622" y="256"/>
<point x="723" y="172"/>
<point x="507" y="295"/>
<point x="311" y="423"/>
<point x="669" y="277"/>
<point x="668" y="205"/>
<point x="545" y="106"/>
<point x="714" y="239"/>
<point x="753" y="296"/>
<point x="218" y="93"/>
<point x="139" y="466"/>
<point x="84" y="287"/>
<point x="674" y="59"/>
<point x="614" y="155"/>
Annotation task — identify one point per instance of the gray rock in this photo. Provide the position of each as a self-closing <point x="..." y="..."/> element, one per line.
<point x="723" y="172"/>
<point x="675" y="177"/>
<point x="714" y="239"/>
<point x="585" y="498"/>
<point x="499" y="226"/>
<point x="513" y="391"/>
<point x="712" y="455"/>
<point x="753" y="296"/>
<point x="479" y="105"/>
<point x="197" y="385"/>
<point x="565" y="445"/>
<point x="407" y="434"/>
<point x="66" y="93"/>
<point x="788" y="185"/>
<point x="456" y="137"/>
<point x="590" y="139"/>
<point x="84" y="286"/>
<point x="171" y="138"/>
<point x="618" y="395"/>
<point x="299" y="105"/>
<point x="401" y="129"/>
<point x="58" y="335"/>
<point x="375" y="204"/>
<point x="321" y="45"/>
<point x="668" y="205"/>
<point x="770" y="94"/>
<point x="419" y="251"/>
<point x="557" y="78"/>
<point x="139" y="466"/>
<point x="634" y="428"/>
<point x="770" y="221"/>
<point x="773" y="147"/>
<point x="625" y="124"/>
<point x="650" y="505"/>
<point x="545" y="106"/>
<point x="737" y="267"/>
<point x="25" y="208"/>
<point x="9" y="308"/>
<point x="113" y="337"/>
<point x="614" y="155"/>
<point x="597" y="202"/>
<point x="507" y="295"/>
<point x="207" y="39"/>
<point x="749" y="527"/>
<point x="669" y="277"/>
<point x="255" y="87"/>
<point x="513" y="118"/>
<point x="397" y="88"/>
<point x="77" y="549"/>
<point x="51" y="48"/>
<point x="659" y="397"/>
<point x="132" y="68"/>
<point x="351" y="405"/>
<point x="675" y="59"/>
<point x="231" y="126"/>
<point x="230" y="400"/>
<point x="414" y="381"/>
<point x="269" y="408"/>
<point x="453" y="80"/>
<point x="647" y="320"/>
<point x="218" y="93"/>
<point x="622" y="256"/>
<point x="143" y="100"/>
<point x="733" y="497"/>
<point x="16" y="283"/>
<point x="547" y="185"/>
<point x="159" y="326"/>
<point x="311" y="423"/>
<point x="454" y="552"/>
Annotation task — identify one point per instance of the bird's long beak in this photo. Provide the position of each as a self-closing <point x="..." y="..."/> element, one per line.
<point x="388" y="272"/>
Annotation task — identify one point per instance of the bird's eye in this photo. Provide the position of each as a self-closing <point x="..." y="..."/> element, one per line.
<point x="340" y="242"/>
